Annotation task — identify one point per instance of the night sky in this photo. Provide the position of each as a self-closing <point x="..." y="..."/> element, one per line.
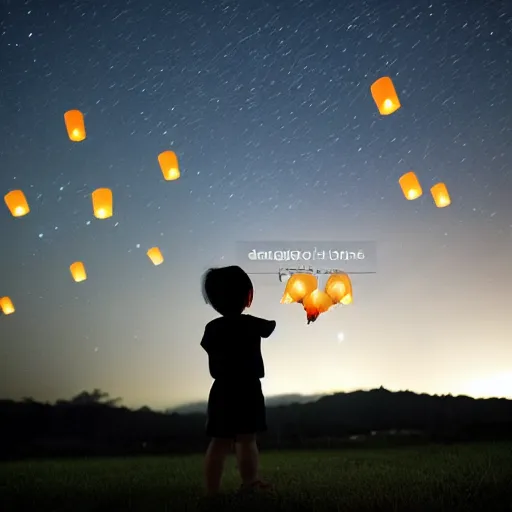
<point x="268" y="107"/>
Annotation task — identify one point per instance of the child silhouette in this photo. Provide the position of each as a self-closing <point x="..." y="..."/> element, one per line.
<point x="236" y="406"/>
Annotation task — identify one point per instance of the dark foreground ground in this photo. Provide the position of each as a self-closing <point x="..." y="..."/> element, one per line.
<point x="468" y="478"/>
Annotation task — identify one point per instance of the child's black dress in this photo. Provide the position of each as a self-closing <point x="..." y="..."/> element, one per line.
<point x="236" y="404"/>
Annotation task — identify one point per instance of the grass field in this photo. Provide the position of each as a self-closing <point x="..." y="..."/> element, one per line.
<point x="468" y="478"/>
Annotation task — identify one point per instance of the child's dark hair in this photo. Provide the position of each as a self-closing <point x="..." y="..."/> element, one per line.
<point x="228" y="290"/>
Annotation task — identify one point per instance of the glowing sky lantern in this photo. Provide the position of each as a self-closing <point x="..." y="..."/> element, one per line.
<point x="410" y="186"/>
<point x="78" y="271"/>
<point x="316" y="303"/>
<point x="440" y="194"/>
<point x="297" y="287"/>
<point x="75" y="125"/>
<point x="339" y="288"/>
<point x="169" y="164"/>
<point x="7" y="306"/>
<point x="17" y="203"/>
<point x="384" y="95"/>
<point x="102" y="203"/>
<point x="155" y="255"/>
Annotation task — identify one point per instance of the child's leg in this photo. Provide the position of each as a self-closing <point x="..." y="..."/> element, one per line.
<point x="216" y="454"/>
<point x="248" y="458"/>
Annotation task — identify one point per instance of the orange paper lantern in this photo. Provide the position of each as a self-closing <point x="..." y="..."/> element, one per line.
<point x="440" y="194"/>
<point x="384" y="95"/>
<point x="297" y="287"/>
<point x="155" y="255"/>
<point x="316" y="303"/>
<point x="102" y="203"/>
<point x="410" y="186"/>
<point x="17" y="203"/>
<point x="78" y="271"/>
<point x="169" y="164"/>
<point x="339" y="288"/>
<point x="7" y="306"/>
<point x="75" y="125"/>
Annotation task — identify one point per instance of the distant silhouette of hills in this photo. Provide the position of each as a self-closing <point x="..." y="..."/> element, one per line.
<point x="94" y="424"/>
<point x="272" y="401"/>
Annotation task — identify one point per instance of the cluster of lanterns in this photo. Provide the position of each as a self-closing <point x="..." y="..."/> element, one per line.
<point x="411" y="188"/>
<point x="102" y="200"/>
<point x="303" y="289"/>
<point x="386" y="99"/>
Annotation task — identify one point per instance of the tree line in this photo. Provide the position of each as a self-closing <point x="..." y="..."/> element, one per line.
<point x="92" y="423"/>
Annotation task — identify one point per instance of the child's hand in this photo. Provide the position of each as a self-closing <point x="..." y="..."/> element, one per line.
<point x="267" y="328"/>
